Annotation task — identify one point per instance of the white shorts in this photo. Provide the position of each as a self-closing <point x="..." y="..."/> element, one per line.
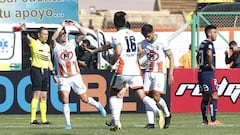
<point x="75" y="82"/>
<point x="154" y="81"/>
<point x="120" y="81"/>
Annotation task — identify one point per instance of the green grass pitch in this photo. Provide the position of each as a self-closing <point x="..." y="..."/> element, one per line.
<point x="132" y="124"/>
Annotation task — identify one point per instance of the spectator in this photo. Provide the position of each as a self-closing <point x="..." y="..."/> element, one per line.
<point x="185" y="60"/>
<point x="86" y="60"/>
<point x="234" y="59"/>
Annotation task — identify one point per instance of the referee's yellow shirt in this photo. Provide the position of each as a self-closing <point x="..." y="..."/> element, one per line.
<point x="40" y="53"/>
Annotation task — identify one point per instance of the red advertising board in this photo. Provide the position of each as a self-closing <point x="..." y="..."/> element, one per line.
<point x="185" y="96"/>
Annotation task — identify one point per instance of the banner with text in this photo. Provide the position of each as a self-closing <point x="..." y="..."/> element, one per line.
<point x="16" y="94"/>
<point x="38" y="11"/>
<point x="185" y="96"/>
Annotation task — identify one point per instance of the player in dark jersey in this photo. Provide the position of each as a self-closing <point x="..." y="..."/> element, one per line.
<point x="206" y="76"/>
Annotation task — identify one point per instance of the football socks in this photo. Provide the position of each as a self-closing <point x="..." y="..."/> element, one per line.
<point x="34" y="104"/>
<point x="43" y="110"/>
<point x="204" y="106"/>
<point x="66" y="113"/>
<point x="164" y="107"/>
<point x="213" y="109"/>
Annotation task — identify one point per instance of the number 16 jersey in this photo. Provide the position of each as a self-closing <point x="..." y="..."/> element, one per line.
<point x="127" y="63"/>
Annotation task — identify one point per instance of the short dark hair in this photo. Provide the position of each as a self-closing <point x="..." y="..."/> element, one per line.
<point x="232" y="43"/>
<point x="208" y="28"/>
<point x="119" y="19"/>
<point x="146" y="28"/>
<point x="86" y="41"/>
<point x="42" y="28"/>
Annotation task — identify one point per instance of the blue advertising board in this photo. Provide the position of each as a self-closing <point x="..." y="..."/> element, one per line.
<point x="15" y="97"/>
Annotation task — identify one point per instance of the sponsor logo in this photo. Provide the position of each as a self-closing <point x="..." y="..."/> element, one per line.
<point x="152" y="56"/>
<point x="225" y="88"/>
<point x="66" y="55"/>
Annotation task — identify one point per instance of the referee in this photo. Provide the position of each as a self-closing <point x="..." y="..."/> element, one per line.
<point x="40" y="66"/>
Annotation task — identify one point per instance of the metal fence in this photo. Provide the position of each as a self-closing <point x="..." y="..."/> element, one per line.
<point x="219" y="19"/>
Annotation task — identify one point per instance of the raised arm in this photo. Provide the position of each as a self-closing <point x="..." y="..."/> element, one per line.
<point x="63" y="25"/>
<point x="228" y="60"/>
<point x="56" y="33"/>
<point x="25" y="32"/>
<point x="80" y="29"/>
<point x="100" y="49"/>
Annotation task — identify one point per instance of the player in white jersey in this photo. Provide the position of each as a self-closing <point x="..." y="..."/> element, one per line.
<point x="155" y="73"/>
<point x="69" y="72"/>
<point x="66" y="58"/>
<point x="127" y="71"/>
<point x="103" y="48"/>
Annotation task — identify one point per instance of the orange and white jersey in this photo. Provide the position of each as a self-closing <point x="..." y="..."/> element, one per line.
<point x="156" y="57"/>
<point x="66" y="60"/>
<point x="127" y="63"/>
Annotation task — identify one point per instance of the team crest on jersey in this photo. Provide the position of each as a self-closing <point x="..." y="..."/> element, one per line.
<point x="152" y="56"/>
<point x="66" y="55"/>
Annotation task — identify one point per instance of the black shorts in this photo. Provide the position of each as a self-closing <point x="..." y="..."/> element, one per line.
<point x="39" y="79"/>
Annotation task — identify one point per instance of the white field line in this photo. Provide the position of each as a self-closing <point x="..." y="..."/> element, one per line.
<point x="200" y="125"/>
<point x="103" y="125"/>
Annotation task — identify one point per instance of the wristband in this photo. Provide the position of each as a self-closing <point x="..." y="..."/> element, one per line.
<point x="53" y="72"/>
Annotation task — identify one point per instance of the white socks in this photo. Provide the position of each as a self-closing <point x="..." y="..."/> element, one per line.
<point x="66" y="113"/>
<point x="116" y="107"/>
<point x="93" y="102"/>
<point x="151" y="103"/>
<point x="164" y="106"/>
<point x="151" y="108"/>
<point x="150" y="114"/>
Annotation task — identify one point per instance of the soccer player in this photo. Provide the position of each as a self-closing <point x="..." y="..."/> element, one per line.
<point x="127" y="70"/>
<point x="206" y="76"/>
<point x="155" y="73"/>
<point x="40" y="65"/>
<point x="105" y="48"/>
<point x="68" y="72"/>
